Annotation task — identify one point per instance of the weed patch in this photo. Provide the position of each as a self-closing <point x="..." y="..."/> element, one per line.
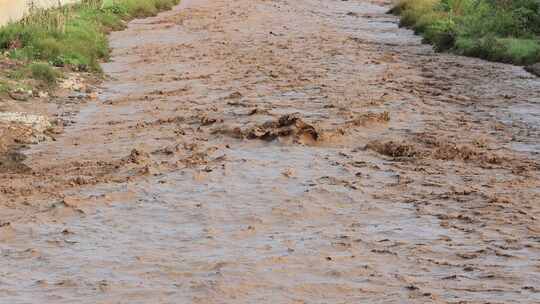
<point x="496" y="30"/>
<point x="73" y="36"/>
<point x="44" y="72"/>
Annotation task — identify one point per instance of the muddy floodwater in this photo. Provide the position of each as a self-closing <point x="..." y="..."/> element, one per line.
<point x="305" y="151"/>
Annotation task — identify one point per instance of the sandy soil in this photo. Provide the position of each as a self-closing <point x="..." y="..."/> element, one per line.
<point x="258" y="151"/>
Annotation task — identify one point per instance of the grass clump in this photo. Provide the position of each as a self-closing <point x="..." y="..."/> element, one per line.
<point x="72" y="36"/>
<point x="45" y="75"/>
<point x="4" y="87"/>
<point x="44" y="72"/>
<point x="497" y="30"/>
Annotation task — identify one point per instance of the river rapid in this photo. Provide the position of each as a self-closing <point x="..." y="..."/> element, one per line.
<point x="306" y="151"/>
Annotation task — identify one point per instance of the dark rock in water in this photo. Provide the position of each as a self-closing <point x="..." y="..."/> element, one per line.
<point x="534" y="69"/>
<point x="12" y="162"/>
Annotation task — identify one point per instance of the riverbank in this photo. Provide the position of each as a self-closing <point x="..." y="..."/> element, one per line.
<point x="52" y="57"/>
<point x="502" y="31"/>
<point x="74" y="35"/>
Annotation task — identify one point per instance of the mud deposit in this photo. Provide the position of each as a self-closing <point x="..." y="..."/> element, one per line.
<point x="304" y="151"/>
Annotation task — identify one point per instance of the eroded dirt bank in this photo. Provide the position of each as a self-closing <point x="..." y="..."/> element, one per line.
<point x="305" y="151"/>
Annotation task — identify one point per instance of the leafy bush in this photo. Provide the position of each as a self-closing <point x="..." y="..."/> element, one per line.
<point x="441" y="33"/>
<point x="498" y="30"/>
<point x="75" y="35"/>
<point x="44" y="72"/>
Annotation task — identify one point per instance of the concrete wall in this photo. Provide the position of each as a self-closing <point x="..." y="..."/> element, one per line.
<point x="11" y="10"/>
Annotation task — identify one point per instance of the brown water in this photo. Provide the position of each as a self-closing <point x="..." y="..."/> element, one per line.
<point x="304" y="151"/>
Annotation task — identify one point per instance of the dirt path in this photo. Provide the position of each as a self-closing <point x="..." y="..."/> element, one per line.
<point x="306" y="151"/>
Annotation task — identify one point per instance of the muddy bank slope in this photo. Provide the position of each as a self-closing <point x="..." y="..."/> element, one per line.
<point x="301" y="151"/>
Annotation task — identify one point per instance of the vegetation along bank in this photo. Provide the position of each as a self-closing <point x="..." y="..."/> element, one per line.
<point x="70" y="38"/>
<point x="497" y="30"/>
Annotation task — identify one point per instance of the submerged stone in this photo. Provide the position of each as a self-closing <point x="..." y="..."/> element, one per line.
<point x="534" y="69"/>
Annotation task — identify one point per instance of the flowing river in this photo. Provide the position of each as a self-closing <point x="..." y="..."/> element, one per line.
<point x="284" y="151"/>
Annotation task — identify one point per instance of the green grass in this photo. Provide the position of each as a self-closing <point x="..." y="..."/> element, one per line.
<point x="73" y="36"/>
<point x="4" y="87"/>
<point x="44" y="73"/>
<point x="497" y="30"/>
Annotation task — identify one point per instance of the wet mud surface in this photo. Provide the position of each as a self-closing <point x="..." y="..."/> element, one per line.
<point x="304" y="151"/>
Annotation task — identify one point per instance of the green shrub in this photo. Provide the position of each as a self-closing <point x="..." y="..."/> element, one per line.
<point x="165" y="4"/>
<point x="4" y="87"/>
<point x="440" y="32"/>
<point x="487" y="47"/>
<point x="44" y="72"/>
<point x="497" y="30"/>
<point x="137" y="8"/>
<point x="521" y="51"/>
<point x="74" y="35"/>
